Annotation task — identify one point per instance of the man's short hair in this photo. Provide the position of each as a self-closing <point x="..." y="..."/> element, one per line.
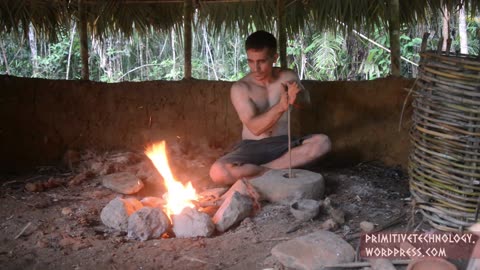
<point x="261" y="40"/>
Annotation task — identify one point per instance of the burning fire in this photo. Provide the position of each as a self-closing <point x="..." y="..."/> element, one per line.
<point x="178" y="196"/>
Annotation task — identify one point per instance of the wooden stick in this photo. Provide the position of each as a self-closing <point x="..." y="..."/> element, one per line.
<point x="23" y="230"/>
<point x="361" y="264"/>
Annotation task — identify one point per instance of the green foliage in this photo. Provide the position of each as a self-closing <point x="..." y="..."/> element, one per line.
<point x="215" y="56"/>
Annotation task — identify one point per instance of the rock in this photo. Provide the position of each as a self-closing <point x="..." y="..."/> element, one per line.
<point x="305" y="209"/>
<point x="147" y="223"/>
<point x="233" y="210"/>
<point x="314" y="251"/>
<point x="213" y="193"/>
<point x="275" y="186"/>
<point x="329" y="225"/>
<point x="40" y="186"/>
<point x="115" y="214"/>
<point x="81" y="177"/>
<point x="67" y="211"/>
<point x="239" y="186"/>
<point x="192" y="223"/>
<point x="366" y="226"/>
<point x="123" y="182"/>
<point x="335" y="213"/>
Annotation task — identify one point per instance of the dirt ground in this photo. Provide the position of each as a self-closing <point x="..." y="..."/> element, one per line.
<point x="65" y="232"/>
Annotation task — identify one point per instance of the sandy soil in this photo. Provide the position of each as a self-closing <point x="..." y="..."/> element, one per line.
<point x="65" y="231"/>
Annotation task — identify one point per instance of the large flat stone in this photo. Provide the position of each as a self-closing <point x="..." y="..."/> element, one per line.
<point x="275" y="186"/>
<point x="314" y="251"/>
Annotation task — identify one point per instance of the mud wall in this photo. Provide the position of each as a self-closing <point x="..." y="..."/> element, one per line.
<point x="41" y="119"/>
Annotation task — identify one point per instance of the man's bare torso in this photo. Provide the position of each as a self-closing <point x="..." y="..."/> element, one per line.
<point x="264" y="97"/>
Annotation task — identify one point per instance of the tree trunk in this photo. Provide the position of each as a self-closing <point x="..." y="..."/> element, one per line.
<point x="72" y="36"/>
<point x="187" y="38"/>
<point x="5" y="60"/>
<point x="83" y="41"/>
<point x="445" y="27"/>
<point x="462" y="31"/>
<point x="394" y="28"/>
<point x="282" y="33"/>
<point x="173" y="55"/>
<point x="33" y="50"/>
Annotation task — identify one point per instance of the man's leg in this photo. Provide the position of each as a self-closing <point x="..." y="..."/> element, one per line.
<point x="225" y="173"/>
<point x="311" y="149"/>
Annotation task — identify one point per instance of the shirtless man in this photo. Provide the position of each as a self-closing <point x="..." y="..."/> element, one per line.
<point x="261" y="100"/>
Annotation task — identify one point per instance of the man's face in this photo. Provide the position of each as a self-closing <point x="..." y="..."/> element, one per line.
<point x="261" y="63"/>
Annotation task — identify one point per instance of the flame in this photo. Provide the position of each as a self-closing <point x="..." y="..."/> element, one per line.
<point x="178" y="196"/>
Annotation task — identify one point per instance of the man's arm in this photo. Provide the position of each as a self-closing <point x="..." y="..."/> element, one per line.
<point x="258" y="123"/>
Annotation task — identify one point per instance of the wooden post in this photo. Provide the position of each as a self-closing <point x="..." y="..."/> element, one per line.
<point x="394" y="28"/>
<point x="282" y="33"/>
<point x="83" y="40"/>
<point x="187" y="26"/>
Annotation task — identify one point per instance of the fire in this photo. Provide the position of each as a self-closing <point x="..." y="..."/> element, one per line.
<point x="178" y="196"/>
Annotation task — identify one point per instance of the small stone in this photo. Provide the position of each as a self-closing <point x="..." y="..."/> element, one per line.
<point x="337" y="215"/>
<point x="329" y="225"/>
<point x="34" y="187"/>
<point x="366" y="226"/>
<point x="67" y="211"/>
<point x="233" y="210"/>
<point x="314" y="251"/>
<point x="123" y="182"/>
<point x="147" y="223"/>
<point x="192" y="223"/>
<point x="115" y="214"/>
<point x="80" y="178"/>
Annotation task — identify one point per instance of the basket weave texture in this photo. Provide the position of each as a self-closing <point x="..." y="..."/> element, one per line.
<point x="444" y="162"/>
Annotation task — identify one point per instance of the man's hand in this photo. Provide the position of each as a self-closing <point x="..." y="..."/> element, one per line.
<point x="292" y="89"/>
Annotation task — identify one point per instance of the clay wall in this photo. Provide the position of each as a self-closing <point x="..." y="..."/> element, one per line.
<point x="41" y="119"/>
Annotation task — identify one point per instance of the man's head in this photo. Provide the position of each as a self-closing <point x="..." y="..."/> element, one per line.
<point x="261" y="40"/>
<point x="261" y="50"/>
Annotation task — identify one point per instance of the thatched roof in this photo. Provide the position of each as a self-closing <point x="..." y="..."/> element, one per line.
<point x="123" y="16"/>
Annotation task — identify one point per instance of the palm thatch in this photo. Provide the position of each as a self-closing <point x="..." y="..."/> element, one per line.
<point x="106" y="17"/>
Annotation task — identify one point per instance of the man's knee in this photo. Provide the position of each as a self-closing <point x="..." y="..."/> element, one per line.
<point x="219" y="173"/>
<point x="320" y="145"/>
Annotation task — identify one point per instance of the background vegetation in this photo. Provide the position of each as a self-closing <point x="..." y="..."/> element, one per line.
<point x="220" y="56"/>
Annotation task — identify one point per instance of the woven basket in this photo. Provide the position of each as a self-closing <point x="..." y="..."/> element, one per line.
<point x="444" y="163"/>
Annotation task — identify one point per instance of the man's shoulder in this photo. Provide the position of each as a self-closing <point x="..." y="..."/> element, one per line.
<point x="286" y="73"/>
<point x="242" y="84"/>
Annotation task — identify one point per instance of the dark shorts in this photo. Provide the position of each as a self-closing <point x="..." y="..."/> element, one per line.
<point x="262" y="151"/>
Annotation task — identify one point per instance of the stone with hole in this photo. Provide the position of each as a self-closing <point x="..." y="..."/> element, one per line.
<point x="276" y="186"/>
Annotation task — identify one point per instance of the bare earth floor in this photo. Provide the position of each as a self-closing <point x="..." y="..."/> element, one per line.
<point x="65" y="232"/>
